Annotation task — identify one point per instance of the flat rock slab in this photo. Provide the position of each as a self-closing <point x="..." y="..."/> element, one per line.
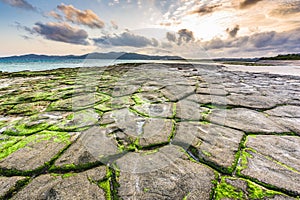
<point x="178" y="179"/>
<point x="189" y="110"/>
<point x="156" y="131"/>
<point x="238" y="188"/>
<point x="8" y="184"/>
<point x="208" y="99"/>
<point x="253" y="101"/>
<point x="284" y="149"/>
<point x="151" y="96"/>
<point x="247" y="120"/>
<point x="285" y="111"/>
<point x="93" y="145"/>
<point x="212" y="143"/>
<point x="164" y="110"/>
<point x="177" y="92"/>
<point x="292" y="124"/>
<point x="34" y="154"/>
<point x="273" y="160"/>
<point x="74" y="186"/>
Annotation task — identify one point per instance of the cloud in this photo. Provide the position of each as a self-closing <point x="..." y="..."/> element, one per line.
<point x="248" y="3"/>
<point x="55" y="15"/>
<point x="114" y="24"/>
<point x="286" y="9"/>
<point x="264" y="41"/>
<point x="19" y="4"/>
<point x="182" y="36"/>
<point x="61" y="32"/>
<point x="185" y="35"/>
<point x="233" y="32"/>
<point x="86" y="17"/>
<point x="205" y="9"/>
<point x="171" y="37"/>
<point x="126" y="39"/>
<point x="25" y="28"/>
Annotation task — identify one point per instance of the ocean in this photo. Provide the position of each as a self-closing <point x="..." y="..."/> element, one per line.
<point x="48" y="64"/>
<point x="280" y="67"/>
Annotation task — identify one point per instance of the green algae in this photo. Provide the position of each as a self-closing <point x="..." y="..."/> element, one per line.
<point x="225" y="190"/>
<point x="70" y="116"/>
<point x="252" y="190"/>
<point x="105" y="185"/>
<point x="139" y="113"/>
<point x="173" y="132"/>
<point x="137" y="99"/>
<point x="186" y="196"/>
<point x="19" y="184"/>
<point x="145" y="190"/>
<point x="67" y="175"/>
<point x="206" y="153"/>
<point x="205" y="114"/>
<point x="12" y="144"/>
<point x="77" y="121"/>
<point x="174" y="110"/>
<point x="103" y="107"/>
<point x="29" y="108"/>
<point x="25" y="127"/>
<point x="61" y="105"/>
<point x="109" y="184"/>
<point x="5" y="108"/>
<point x="256" y="192"/>
<point x="244" y="155"/>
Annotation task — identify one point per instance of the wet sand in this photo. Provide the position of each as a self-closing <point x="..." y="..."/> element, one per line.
<point x="278" y="67"/>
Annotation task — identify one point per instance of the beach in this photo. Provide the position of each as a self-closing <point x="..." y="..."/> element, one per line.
<point x="270" y="66"/>
<point x="149" y="131"/>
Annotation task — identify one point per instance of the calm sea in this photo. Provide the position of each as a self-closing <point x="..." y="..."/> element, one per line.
<point x="39" y="65"/>
<point x="280" y="67"/>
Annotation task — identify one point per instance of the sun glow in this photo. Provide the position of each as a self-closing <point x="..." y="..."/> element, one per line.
<point x="208" y="27"/>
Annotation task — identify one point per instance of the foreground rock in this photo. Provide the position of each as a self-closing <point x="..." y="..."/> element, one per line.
<point x="149" y="131"/>
<point x="71" y="186"/>
<point x="269" y="158"/>
<point x="8" y="184"/>
<point x="178" y="179"/>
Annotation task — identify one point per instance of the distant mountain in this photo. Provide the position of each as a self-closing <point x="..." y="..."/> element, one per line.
<point x="111" y="55"/>
<point x="283" y="57"/>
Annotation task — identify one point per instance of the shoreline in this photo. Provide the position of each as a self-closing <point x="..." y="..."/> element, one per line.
<point x="275" y="68"/>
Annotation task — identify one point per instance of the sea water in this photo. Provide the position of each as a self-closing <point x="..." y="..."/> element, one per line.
<point x="13" y="65"/>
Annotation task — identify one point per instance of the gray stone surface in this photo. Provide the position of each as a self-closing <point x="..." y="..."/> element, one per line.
<point x="246" y="120"/>
<point x="33" y="156"/>
<point x="8" y="183"/>
<point x="214" y="143"/>
<point x="158" y="131"/>
<point x="249" y="190"/>
<point x="291" y="124"/>
<point x="156" y="110"/>
<point x="270" y="172"/>
<point x="176" y="92"/>
<point x="189" y="110"/>
<point x="76" y="186"/>
<point x="285" y="111"/>
<point x="177" y="180"/>
<point x="252" y="101"/>
<point x="284" y="149"/>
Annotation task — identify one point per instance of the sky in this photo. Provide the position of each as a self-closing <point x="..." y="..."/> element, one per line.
<point x="187" y="28"/>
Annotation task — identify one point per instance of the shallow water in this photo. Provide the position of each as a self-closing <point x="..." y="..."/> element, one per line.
<point x="280" y="67"/>
<point x="293" y="70"/>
